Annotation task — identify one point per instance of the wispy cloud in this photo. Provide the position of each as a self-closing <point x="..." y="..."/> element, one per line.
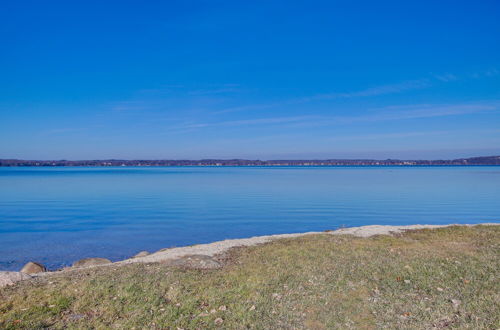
<point x="248" y="107"/>
<point x="388" y="89"/>
<point x="132" y="106"/>
<point x="213" y="96"/>
<point x="392" y="113"/>
<point x="64" y="130"/>
<point x="368" y="92"/>
<point x="426" y="111"/>
<point x="170" y="96"/>
<point x="407" y="112"/>
<point x="192" y="90"/>
<point x="372" y="91"/>
<point x="446" y="77"/>
<point x="381" y="136"/>
<point x="491" y="72"/>
<point x="211" y="91"/>
<point x="246" y="122"/>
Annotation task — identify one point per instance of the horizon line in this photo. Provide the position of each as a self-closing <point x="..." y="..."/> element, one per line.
<point x="242" y="159"/>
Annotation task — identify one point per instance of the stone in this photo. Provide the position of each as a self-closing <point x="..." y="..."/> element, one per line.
<point x="87" y="262"/>
<point x="141" y="254"/>
<point x="196" y="261"/>
<point x="33" y="268"/>
<point x="75" y="317"/>
<point x="9" y="278"/>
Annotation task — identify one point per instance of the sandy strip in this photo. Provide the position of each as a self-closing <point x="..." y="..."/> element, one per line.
<point x="212" y="249"/>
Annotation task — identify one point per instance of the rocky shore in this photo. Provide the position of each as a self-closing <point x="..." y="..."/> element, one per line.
<point x="202" y="256"/>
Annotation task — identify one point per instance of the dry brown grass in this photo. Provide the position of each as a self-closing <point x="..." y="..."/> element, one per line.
<point x="420" y="280"/>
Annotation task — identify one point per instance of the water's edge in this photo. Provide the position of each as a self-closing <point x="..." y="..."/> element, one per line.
<point x="215" y="248"/>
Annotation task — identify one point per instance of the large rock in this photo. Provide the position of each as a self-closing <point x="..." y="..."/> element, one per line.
<point x="33" y="268"/>
<point x="91" y="262"/>
<point x="196" y="261"/>
<point x="9" y="278"/>
<point x="141" y="254"/>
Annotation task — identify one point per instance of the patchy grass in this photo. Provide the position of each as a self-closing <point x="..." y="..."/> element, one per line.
<point x="422" y="279"/>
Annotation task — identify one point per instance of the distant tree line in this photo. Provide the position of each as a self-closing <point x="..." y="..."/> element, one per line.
<point x="488" y="160"/>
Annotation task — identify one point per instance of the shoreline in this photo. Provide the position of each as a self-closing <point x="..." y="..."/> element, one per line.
<point x="252" y="166"/>
<point x="209" y="250"/>
<point x="218" y="247"/>
<point x="478" y="160"/>
<point x="443" y="275"/>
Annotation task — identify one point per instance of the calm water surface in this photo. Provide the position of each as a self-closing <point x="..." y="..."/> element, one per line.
<point x="58" y="215"/>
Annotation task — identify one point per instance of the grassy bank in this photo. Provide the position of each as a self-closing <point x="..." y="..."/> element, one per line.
<point x="422" y="279"/>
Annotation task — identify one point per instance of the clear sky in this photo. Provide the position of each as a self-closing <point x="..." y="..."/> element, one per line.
<point x="249" y="79"/>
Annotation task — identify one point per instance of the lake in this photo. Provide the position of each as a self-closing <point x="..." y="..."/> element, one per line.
<point x="56" y="215"/>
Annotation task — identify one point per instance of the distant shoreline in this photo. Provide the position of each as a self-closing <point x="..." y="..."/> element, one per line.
<point x="473" y="161"/>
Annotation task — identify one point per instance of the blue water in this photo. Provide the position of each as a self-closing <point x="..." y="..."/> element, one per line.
<point x="58" y="215"/>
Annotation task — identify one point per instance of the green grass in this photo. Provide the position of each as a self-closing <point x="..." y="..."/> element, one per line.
<point x="422" y="279"/>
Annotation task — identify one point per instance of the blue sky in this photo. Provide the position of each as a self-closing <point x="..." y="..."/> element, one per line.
<point x="253" y="79"/>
